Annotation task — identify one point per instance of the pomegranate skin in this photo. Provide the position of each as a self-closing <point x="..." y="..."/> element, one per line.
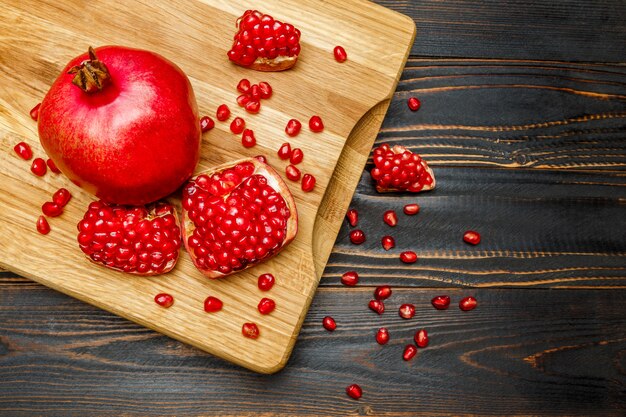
<point x="134" y="142"/>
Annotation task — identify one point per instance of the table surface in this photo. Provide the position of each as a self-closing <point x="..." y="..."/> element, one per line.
<point x="523" y="119"/>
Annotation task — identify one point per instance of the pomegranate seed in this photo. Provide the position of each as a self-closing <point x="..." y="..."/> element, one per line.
<point x="252" y="106"/>
<point x="293" y="173"/>
<point x="248" y="140"/>
<point x="382" y="292"/>
<point x="243" y="99"/>
<point x="391" y="218"/>
<point x="237" y="125"/>
<point x="296" y="156"/>
<point x="206" y="124"/>
<point x="261" y="158"/>
<point x="340" y="54"/>
<point x="293" y="127"/>
<point x="406" y="311"/>
<point x="329" y="323"/>
<point x="213" y="304"/>
<point x="284" y="152"/>
<point x="52" y="166"/>
<point x="266" y="282"/>
<point x="255" y="92"/>
<point x="42" y="225"/>
<point x="353" y="217"/>
<point x="471" y="237"/>
<point x="51" y="209"/>
<point x="377" y="306"/>
<point x="315" y="124"/>
<point x="421" y="338"/>
<point x="23" y="150"/>
<point x="266" y="90"/>
<point x="388" y="242"/>
<point x="266" y="305"/>
<point x="308" y="183"/>
<point x="354" y="391"/>
<point x="61" y="197"/>
<point x="164" y="300"/>
<point x="250" y="330"/>
<point x="357" y="236"/>
<point x="414" y="104"/>
<point x="441" y="302"/>
<point x="350" y="278"/>
<point x="411" y="209"/>
<point x="382" y="336"/>
<point x="467" y="303"/>
<point x="223" y="112"/>
<point x="408" y="257"/>
<point x="409" y="352"/>
<point x="39" y="167"/>
<point x="243" y="86"/>
<point x="34" y="112"/>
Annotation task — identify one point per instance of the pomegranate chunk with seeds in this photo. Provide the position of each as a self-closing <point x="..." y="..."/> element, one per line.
<point x="398" y="169"/>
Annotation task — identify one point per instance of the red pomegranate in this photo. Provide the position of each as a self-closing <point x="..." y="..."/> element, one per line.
<point x="123" y="124"/>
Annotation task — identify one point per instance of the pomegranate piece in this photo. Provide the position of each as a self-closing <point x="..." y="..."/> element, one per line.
<point x="293" y="127"/>
<point x="265" y="89"/>
<point x="248" y="140"/>
<point x="471" y="237"/>
<point x="61" y="197"/>
<point x="308" y="183"/>
<point x="137" y="240"/>
<point x="23" y="150"/>
<point x="222" y="113"/>
<point x="266" y="305"/>
<point x="284" y="152"/>
<point x="382" y="292"/>
<point x="164" y="300"/>
<point x="441" y="302"/>
<point x="414" y="103"/>
<point x="340" y="54"/>
<point x="329" y="323"/>
<point x="388" y="242"/>
<point x="377" y="306"/>
<point x="411" y="209"/>
<point x="408" y="257"/>
<point x="354" y="391"/>
<point x="244" y="85"/>
<point x="421" y="338"/>
<point x="51" y="209"/>
<point x="391" y="218"/>
<point x="353" y="217"/>
<point x="296" y="156"/>
<point x="237" y="125"/>
<point x="398" y="169"/>
<point x="213" y="304"/>
<point x="252" y="106"/>
<point x="316" y="124"/>
<point x="266" y="282"/>
<point x="237" y="215"/>
<point x="206" y="124"/>
<point x="52" y="166"/>
<point x="382" y="336"/>
<point x="357" y="236"/>
<point x="350" y="278"/>
<point x="468" y="303"/>
<point x="39" y="167"/>
<point x="34" y="112"/>
<point x="293" y="173"/>
<point x="409" y="352"/>
<point x="42" y="225"/>
<point x="264" y="44"/>
<point x="406" y="311"/>
<point x="250" y="330"/>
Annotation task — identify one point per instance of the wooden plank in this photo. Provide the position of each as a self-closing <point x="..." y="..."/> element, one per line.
<point x="522" y="352"/>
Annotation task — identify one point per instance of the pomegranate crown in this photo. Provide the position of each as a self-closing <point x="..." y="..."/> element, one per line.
<point x="91" y="75"/>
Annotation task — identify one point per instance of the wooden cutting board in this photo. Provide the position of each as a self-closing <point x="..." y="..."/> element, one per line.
<point x="38" y="37"/>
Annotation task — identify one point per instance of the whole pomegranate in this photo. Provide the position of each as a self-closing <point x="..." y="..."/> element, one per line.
<point x="123" y="124"/>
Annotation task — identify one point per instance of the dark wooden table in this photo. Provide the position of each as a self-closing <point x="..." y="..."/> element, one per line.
<point x="524" y="121"/>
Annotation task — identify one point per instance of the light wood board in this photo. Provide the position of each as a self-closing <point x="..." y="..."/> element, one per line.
<point x="37" y="38"/>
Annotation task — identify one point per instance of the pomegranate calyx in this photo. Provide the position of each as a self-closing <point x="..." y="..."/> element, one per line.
<point x="92" y="75"/>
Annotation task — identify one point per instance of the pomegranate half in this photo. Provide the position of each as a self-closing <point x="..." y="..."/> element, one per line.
<point x="123" y="124"/>
<point x="237" y="215"/>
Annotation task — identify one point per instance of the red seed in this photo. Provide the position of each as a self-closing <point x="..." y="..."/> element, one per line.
<point x="406" y="311"/>
<point x="315" y="124"/>
<point x="293" y="173"/>
<point x="248" y="140"/>
<point x="23" y="150"/>
<point x="61" y="197"/>
<point x="252" y="106"/>
<point x="468" y="303"/>
<point x="408" y="257"/>
<point x="329" y="323"/>
<point x="354" y="391"/>
<point x="382" y="336"/>
<point x="353" y="217"/>
<point x="266" y="305"/>
<point x="357" y="236"/>
<point x="206" y="124"/>
<point x="308" y="183"/>
<point x="164" y="300"/>
<point x="414" y="104"/>
<point x="34" y="112"/>
<point x="250" y="330"/>
<point x="223" y="112"/>
<point x="296" y="156"/>
<point x="243" y="86"/>
<point x="293" y="127"/>
<point x="39" y="167"/>
<point x="441" y="302"/>
<point x="411" y="209"/>
<point x="261" y="158"/>
<point x="284" y="152"/>
<point x="382" y="292"/>
<point x="213" y="304"/>
<point x="266" y="282"/>
<point x="237" y="125"/>
<point x="243" y="99"/>
<point x="52" y="166"/>
<point x="51" y="209"/>
<point x="409" y="352"/>
<point x="266" y="90"/>
<point x="388" y="242"/>
<point x="471" y="237"/>
<point x="391" y="218"/>
<point x="377" y="306"/>
<point x="350" y="278"/>
<point x="340" y="54"/>
<point x="42" y="225"/>
<point x="255" y="92"/>
<point x="421" y="338"/>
